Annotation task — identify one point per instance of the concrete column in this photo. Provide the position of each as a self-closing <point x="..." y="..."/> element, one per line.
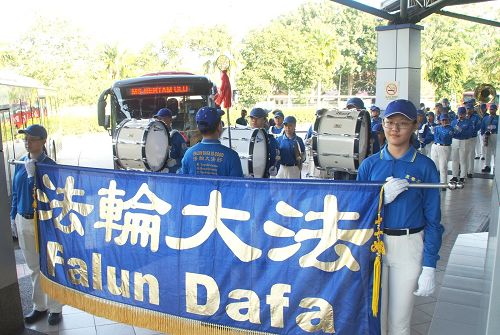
<point x="11" y="313"/>
<point x="398" y="63"/>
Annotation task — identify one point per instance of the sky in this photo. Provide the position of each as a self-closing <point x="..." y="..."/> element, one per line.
<point x="132" y="23"/>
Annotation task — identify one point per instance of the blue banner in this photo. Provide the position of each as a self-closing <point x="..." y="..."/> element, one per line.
<point x="275" y="256"/>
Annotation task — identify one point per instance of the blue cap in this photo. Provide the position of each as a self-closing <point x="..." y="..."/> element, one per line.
<point x="164" y="112"/>
<point x="445" y="100"/>
<point x="208" y="117"/>
<point x="290" y="119"/>
<point x="279" y="114"/>
<point x="375" y="109"/>
<point x="35" y="130"/>
<point x="471" y="101"/>
<point x="430" y="114"/>
<point x="403" y="107"/>
<point x="469" y="105"/>
<point x="420" y="112"/>
<point x="258" y="112"/>
<point x="461" y="110"/>
<point x="356" y="102"/>
<point x="443" y="116"/>
<point x="493" y="106"/>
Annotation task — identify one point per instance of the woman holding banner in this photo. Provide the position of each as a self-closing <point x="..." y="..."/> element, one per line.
<point x="23" y="213"/>
<point x="411" y="219"/>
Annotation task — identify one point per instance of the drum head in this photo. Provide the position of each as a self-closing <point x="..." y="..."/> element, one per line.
<point x="156" y="145"/>
<point x="364" y="137"/>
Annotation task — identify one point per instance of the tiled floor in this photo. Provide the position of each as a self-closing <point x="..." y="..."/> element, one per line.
<point x="463" y="211"/>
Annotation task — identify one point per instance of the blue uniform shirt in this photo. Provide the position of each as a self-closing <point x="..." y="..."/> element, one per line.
<point x="287" y="150"/>
<point x="309" y="133"/>
<point x="275" y="130"/>
<point x="462" y="129"/>
<point x="422" y="135"/>
<point x="443" y="135"/>
<point x="489" y="123"/>
<point x="452" y="115"/>
<point x="210" y="157"/>
<point x="178" y="147"/>
<point x="415" y="207"/>
<point x="375" y="121"/>
<point x="22" y="187"/>
<point x="273" y="150"/>
<point x="475" y="119"/>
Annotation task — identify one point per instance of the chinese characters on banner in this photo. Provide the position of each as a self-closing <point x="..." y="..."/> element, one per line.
<point x="264" y="255"/>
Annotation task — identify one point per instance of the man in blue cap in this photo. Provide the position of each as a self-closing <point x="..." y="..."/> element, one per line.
<point x="375" y="112"/>
<point x="432" y="122"/>
<point x="210" y="157"/>
<point x="412" y="227"/>
<point x="489" y="131"/>
<point x="178" y="145"/>
<point x="462" y="132"/>
<point x="422" y="133"/>
<point x="355" y="103"/>
<point x="22" y="213"/>
<point x="475" y="120"/>
<point x="258" y="119"/>
<point x="441" y="149"/>
<point x="277" y="129"/>
<point x="292" y="151"/>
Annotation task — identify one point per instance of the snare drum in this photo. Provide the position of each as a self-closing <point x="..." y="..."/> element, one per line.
<point x="252" y="146"/>
<point x="141" y="145"/>
<point x="341" y="139"/>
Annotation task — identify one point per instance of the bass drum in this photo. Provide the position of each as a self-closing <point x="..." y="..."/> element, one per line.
<point x="341" y="139"/>
<point x="141" y="145"/>
<point x="253" y="148"/>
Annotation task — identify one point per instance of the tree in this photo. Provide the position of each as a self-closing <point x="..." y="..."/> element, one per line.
<point x="448" y="71"/>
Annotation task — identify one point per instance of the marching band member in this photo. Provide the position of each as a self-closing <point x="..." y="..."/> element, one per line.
<point x="292" y="151"/>
<point x="447" y="109"/>
<point x="258" y="119"/>
<point x="462" y="132"/>
<point x="422" y="133"/>
<point x="210" y="157"/>
<point x="23" y="213"/>
<point x="375" y="112"/>
<point x="483" y="109"/>
<point x="431" y="123"/>
<point x="475" y="119"/>
<point x="489" y="130"/>
<point x="178" y="145"/>
<point x="277" y="129"/>
<point x="441" y="151"/>
<point x="412" y="218"/>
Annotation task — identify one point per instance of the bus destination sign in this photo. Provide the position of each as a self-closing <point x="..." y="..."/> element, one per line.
<point x="170" y="89"/>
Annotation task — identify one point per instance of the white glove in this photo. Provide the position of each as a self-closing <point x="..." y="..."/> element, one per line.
<point x="273" y="171"/>
<point x="393" y="188"/>
<point x="171" y="162"/>
<point x="29" y="164"/>
<point x="458" y="129"/>
<point x="426" y="282"/>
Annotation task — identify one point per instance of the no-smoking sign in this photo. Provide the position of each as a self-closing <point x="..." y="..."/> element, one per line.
<point x="391" y="90"/>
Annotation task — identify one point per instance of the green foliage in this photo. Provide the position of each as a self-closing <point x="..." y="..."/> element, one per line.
<point x="448" y="71"/>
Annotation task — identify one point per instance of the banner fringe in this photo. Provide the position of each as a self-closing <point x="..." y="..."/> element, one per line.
<point x="379" y="248"/>
<point x="136" y="316"/>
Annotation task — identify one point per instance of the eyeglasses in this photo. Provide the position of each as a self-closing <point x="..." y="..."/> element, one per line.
<point x="397" y="125"/>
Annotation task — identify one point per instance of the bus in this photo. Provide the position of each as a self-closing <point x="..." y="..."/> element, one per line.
<point x="25" y="101"/>
<point x="141" y="97"/>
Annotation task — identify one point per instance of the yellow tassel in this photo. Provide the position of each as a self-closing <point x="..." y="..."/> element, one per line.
<point x="35" y="218"/>
<point x="171" y="324"/>
<point x="379" y="248"/>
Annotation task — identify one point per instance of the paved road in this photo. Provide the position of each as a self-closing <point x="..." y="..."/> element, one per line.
<point x="90" y="150"/>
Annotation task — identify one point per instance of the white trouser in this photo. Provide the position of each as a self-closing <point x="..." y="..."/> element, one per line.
<point x="430" y="147"/>
<point x="479" y="145"/>
<point x="402" y="265"/>
<point x="490" y="149"/>
<point x="459" y="157"/>
<point x="441" y="155"/>
<point x="288" y="172"/>
<point x="26" y="235"/>
<point x="472" y="152"/>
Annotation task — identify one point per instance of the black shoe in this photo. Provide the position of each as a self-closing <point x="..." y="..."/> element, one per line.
<point x="486" y="169"/>
<point x="454" y="180"/>
<point x="482" y="158"/>
<point x="462" y="180"/>
<point x="477" y="157"/>
<point x="470" y="175"/>
<point x="54" y="318"/>
<point x="34" y="316"/>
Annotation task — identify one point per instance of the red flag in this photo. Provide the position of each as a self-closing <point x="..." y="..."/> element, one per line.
<point x="224" y="94"/>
